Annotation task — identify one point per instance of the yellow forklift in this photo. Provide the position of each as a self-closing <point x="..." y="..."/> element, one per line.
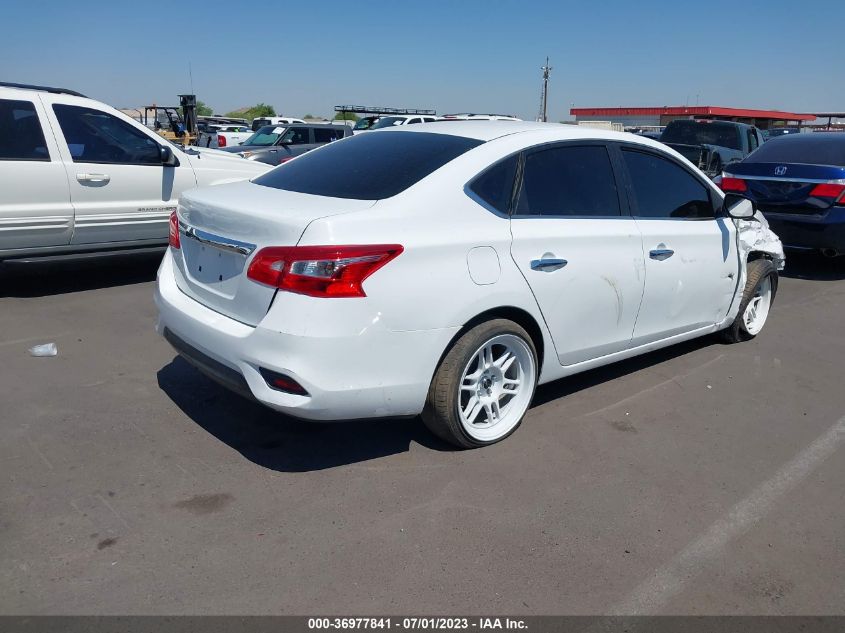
<point x="175" y="123"/>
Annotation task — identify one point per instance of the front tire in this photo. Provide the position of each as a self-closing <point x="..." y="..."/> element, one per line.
<point x="757" y="298"/>
<point x="483" y="386"/>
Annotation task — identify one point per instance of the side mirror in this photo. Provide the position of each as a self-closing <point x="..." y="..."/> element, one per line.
<point x="739" y="207"/>
<point x="168" y="158"/>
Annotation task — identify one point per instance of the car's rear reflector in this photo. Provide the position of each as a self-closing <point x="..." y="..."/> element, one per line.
<point x="173" y="235"/>
<point x="221" y="141"/>
<point x="281" y="382"/>
<point x="732" y="184"/>
<point x="320" y="271"/>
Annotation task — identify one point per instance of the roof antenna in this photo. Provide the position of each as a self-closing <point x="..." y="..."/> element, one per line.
<point x="191" y="77"/>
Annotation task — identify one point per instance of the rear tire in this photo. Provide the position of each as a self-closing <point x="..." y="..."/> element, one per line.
<point x="483" y="386"/>
<point x="757" y="298"/>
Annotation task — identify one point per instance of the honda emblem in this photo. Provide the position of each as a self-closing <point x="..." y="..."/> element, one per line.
<point x="780" y="170"/>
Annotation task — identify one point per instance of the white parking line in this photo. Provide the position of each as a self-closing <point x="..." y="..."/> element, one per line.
<point x="671" y="578"/>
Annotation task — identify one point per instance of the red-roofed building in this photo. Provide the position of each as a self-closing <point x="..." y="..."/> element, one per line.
<point x="647" y="117"/>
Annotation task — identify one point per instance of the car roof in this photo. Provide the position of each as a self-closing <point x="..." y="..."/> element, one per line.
<point x="485" y="130"/>
<point x="822" y="136"/>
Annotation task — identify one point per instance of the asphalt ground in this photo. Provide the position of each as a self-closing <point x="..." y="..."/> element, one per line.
<point x="700" y="479"/>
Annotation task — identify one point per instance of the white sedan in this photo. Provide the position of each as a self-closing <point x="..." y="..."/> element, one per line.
<point x="448" y="269"/>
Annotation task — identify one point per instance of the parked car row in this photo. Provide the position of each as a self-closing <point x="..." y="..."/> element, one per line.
<point x="277" y="140"/>
<point x="310" y="287"/>
<point x="277" y="144"/>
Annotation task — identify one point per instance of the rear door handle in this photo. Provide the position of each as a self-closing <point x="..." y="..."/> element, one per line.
<point x="548" y="265"/>
<point x="661" y="253"/>
<point x="93" y="177"/>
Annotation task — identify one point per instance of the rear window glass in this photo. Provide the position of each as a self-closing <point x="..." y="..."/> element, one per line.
<point x="701" y="133"/>
<point x="368" y="167"/>
<point x="802" y="148"/>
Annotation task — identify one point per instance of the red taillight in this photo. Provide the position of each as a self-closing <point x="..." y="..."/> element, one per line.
<point x="733" y="184"/>
<point x="320" y="271"/>
<point x="173" y="237"/>
<point x="829" y="190"/>
<point x="286" y="159"/>
<point x="221" y="141"/>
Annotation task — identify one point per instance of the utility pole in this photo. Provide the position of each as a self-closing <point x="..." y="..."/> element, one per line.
<point x="544" y="92"/>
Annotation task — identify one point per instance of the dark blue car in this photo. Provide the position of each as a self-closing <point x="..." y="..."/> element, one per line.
<point x="798" y="182"/>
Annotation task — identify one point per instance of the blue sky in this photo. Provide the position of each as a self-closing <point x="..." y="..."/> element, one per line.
<point x="306" y="57"/>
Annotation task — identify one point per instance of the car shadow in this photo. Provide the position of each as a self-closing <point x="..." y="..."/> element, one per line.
<point x="585" y="380"/>
<point x="813" y="266"/>
<point x="278" y="442"/>
<point x="41" y="279"/>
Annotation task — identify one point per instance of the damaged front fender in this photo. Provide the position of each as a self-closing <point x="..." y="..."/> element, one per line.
<point x="754" y="239"/>
<point x="755" y="236"/>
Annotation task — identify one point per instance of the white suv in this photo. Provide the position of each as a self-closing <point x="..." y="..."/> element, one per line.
<point x="79" y="177"/>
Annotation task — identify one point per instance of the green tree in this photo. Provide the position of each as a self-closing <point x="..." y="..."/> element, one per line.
<point x="204" y="110"/>
<point x="346" y="116"/>
<point x="256" y="111"/>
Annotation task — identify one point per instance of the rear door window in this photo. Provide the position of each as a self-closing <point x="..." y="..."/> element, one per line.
<point x="327" y="135"/>
<point x="296" y="136"/>
<point x="568" y="181"/>
<point x="94" y="136"/>
<point x="368" y="166"/>
<point x="21" y="136"/>
<point x="664" y="190"/>
<point x="752" y="140"/>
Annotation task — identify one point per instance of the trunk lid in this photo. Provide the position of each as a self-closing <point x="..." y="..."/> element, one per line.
<point x="220" y="230"/>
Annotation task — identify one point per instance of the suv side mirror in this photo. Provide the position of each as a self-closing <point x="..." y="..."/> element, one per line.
<point x="168" y="158"/>
<point x="738" y="207"/>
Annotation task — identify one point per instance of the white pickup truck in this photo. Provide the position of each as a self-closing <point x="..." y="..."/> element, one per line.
<point x="80" y="178"/>
<point x="229" y="135"/>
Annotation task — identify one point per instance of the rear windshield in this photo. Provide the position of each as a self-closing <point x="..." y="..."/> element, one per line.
<point x="365" y="123"/>
<point x="387" y="121"/>
<point x="267" y="135"/>
<point x="700" y="133"/>
<point x="368" y="167"/>
<point x="802" y="148"/>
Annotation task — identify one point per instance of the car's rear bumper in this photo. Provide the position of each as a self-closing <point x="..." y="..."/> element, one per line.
<point x="373" y="373"/>
<point x="825" y="231"/>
